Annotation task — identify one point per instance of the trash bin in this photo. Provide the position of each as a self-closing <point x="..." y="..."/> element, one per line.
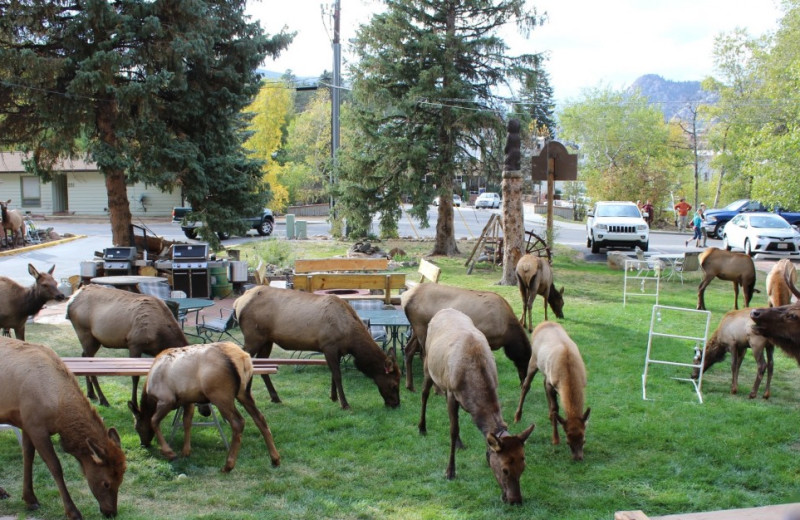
<point x="300" y="229"/>
<point x="290" y="226"/>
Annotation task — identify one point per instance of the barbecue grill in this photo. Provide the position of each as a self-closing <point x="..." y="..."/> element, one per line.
<point x="119" y="261"/>
<point x="190" y="270"/>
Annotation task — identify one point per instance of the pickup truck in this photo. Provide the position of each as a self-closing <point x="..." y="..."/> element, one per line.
<point x="264" y="223"/>
<point x="716" y="219"/>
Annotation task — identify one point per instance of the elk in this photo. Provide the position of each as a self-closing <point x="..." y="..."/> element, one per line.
<point x="113" y="318"/>
<point x="780" y="325"/>
<point x="460" y="363"/>
<point x="734" y="334"/>
<point x="778" y="292"/>
<point x="535" y="276"/>
<point x="216" y="373"/>
<point x="560" y="361"/>
<point x="20" y="302"/>
<point x="489" y="311"/>
<point x="731" y="266"/>
<point x="12" y="221"/>
<point x="310" y="322"/>
<point x="40" y="396"/>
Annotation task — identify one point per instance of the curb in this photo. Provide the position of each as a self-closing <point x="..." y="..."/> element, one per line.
<point x="33" y="247"/>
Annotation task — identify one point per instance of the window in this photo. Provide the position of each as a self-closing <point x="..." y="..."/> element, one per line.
<point x="31" y="191"/>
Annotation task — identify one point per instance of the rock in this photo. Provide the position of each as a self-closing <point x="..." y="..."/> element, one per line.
<point x="616" y="260"/>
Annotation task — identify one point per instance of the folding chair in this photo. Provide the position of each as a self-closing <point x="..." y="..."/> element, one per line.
<point x="690" y="262"/>
<point x="31" y="233"/>
<point x="219" y="327"/>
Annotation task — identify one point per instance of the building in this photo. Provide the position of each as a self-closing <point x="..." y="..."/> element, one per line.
<point x="77" y="188"/>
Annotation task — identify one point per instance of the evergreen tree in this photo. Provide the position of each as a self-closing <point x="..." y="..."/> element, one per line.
<point x="423" y="96"/>
<point x="151" y="91"/>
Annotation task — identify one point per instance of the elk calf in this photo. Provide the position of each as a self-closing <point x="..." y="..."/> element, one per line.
<point x="559" y="359"/>
<point x="459" y="362"/>
<point x="535" y="276"/>
<point x="780" y="276"/>
<point x="216" y="373"/>
<point x="21" y="302"/>
<point x="40" y="396"/>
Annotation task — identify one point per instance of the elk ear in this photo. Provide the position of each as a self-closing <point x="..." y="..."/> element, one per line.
<point x="494" y="442"/>
<point x="134" y="409"/>
<point x="524" y="435"/>
<point x="561" y="292"/>
<point x="95" y="451"/>
<point x="561" y="421"/>
<point x="50" y="272"/>
<point x="388" y="365"/>
<point x="113" y="435"/>
<point x="586" y="415"/>
<point x="32" y="271"/>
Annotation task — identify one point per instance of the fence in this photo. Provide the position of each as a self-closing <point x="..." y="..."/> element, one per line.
<point x="310" y="210"/>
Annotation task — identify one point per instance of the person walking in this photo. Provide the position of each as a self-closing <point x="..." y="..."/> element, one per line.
<point x="702" y="212"/>
<point x="648" y="208"/>
<point x="697" y="223"/>
<point x="682" y="208"/>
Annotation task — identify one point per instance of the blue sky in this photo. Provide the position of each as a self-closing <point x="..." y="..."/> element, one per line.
<point x="589" y="43"/>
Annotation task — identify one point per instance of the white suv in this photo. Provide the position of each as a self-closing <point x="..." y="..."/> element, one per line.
<point x="616" y="224"/>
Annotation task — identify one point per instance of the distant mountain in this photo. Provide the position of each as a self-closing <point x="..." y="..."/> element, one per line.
<point x="671" y="97"/>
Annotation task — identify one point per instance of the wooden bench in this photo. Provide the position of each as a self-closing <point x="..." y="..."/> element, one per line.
<point x="348" y="273"/>
<point x="428" y="272"/>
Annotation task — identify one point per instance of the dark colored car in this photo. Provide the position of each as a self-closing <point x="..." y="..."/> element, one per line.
<point x="264" y="224"/>
<point x="716" y="219"/>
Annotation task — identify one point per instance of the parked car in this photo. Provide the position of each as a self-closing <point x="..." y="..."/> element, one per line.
<point x="264" y="223"/>
<point x="456" y="200"/>
<point x="616" y="224"/>
<point x="761" y="233"/>
<point x="716" y="219"/>
<point x="487" y="199"/>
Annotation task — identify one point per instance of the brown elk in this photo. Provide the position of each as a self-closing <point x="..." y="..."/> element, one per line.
<point x="13" y="222"/>
<point x="39" y="395"/>
<point x="113" y="318"/>
<point x="560" y="361"/>
<point x="20" y="302"/>
<point x="216" y="373"/>
<point x="778" y="292"/>
<point x="309" y="322"/>
<point x="489" y="311"/>
<point x="459" y="362"/>
<point x="734" y="334"/>
<point x="535" y="277"/>
<point x="731" y="266"/>
<point x="781" y="325"/>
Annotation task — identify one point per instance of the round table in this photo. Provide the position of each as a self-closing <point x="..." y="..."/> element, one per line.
<point x="126" y="281"/>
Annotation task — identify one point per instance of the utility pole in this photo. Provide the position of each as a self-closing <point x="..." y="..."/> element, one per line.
<point x="337" y="83"/>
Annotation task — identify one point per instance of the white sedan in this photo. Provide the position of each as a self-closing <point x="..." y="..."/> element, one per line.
<point x="765" y="233"/>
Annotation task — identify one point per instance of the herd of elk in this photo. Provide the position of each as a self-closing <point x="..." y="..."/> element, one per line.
<point x="459" y="362"/>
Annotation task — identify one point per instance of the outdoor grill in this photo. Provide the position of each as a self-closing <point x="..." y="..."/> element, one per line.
<point x="118" y="261"/>
<point x="190" y="270"/>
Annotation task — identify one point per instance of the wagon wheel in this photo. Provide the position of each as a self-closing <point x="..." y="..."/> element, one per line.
<point x="536" y="245"/>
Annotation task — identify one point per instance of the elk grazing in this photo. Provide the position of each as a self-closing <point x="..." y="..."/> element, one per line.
<point x="21" y="302"/>
<point x="778" y="292"/>
<point x="489" y="311"/>
<point x="40" y="396"/>
<point x="113" y="318"/>
<point x="781" y="325"/>
<point x="310" y="322"/>
<point x="216" y="373"/>
<point x="731" y="266"/>
<point x="734" y="334"/>
<point x="13" y="222"/>
<point x="459" y="362"/>
<point x="560" y="361"/>
<point x="535" y="277"/>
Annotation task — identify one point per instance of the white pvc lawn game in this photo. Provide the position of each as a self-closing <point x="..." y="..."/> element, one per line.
<point x="677" y="335"/>
<point x="642" y="278"/>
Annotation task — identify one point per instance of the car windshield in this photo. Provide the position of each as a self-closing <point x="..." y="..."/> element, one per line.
<point x="735" y="205"/>
<point x="613" y="210"/>
<point x="770" y="222"/>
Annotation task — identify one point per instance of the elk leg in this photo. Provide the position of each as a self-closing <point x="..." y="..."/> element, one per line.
<point x="100" y="396"/>
<point x="544" y="301"/>
<point x="188" y="415"/>
<point x="3" y="494"/>
<point x="455" y="438"/>
<point x="770" y="351"/>
<point x="427" y="383"/>
<point x="736" y="296"/>
<point x="28" y="452"/>
<point x="261" y="423"/>
<point x="336" y="377"/>
<point x="737" y="356"/>
<point x="526" y="386"/>
<point x="162" y="409"/>
<point x="701" y="302"/>
<point x="550" y="392"/>
<point x="264" y="352"/>
<point x="44" y="446"/>
<point x="411" y="349"/>
<point x="235" y="419"/>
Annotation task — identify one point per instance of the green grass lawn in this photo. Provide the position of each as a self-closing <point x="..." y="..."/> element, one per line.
<point x="666" y="455"/>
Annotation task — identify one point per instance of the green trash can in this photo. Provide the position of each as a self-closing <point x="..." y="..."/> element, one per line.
<point x="290" y="226"/>
<point x="300" y="229"/>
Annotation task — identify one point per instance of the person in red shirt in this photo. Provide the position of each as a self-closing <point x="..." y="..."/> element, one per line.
<point x="682" y="208"/>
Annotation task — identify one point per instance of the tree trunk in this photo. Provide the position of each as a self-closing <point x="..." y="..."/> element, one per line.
<point x="513" y="226"/>
<point x="117" y="190"/>
<point x="445" y="243"/>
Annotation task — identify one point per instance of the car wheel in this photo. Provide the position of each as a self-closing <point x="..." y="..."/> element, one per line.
<point x="725" y="243"/>
<point x="190" y="233"/>
<point x="588" y="242"/>
<point x="595" y="247"/>
<point x="718" y="230"/>
<point x="748" y="249"/>
<point x="644" y="246"/>
<point x="266" y="227"/>
<point x="223" y="235"/>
